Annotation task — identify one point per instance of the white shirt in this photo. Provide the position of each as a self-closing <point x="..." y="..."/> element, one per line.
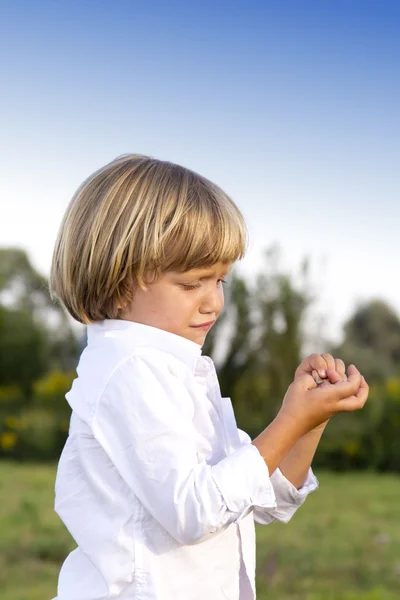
<point x="156" y="484"/>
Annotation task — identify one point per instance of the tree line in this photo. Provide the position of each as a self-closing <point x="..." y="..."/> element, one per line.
<point x="257" y="344"/>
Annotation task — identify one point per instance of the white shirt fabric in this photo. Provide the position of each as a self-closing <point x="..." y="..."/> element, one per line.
<point x="156" y="484"/>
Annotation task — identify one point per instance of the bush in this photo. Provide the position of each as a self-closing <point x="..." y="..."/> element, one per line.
<point x="35" y="429"/>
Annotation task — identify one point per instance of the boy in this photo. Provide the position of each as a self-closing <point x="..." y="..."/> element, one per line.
<point x="156" y="483"/>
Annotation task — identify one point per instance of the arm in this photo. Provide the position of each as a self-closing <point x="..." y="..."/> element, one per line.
<point x="291" y="439"/>
<point x="304" y="415"/>
<point x="296" y="465"/>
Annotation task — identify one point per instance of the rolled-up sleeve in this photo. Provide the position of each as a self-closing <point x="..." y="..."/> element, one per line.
<point x="244" y="482"/>
<point x="287" y="497"/>
<point x="144" y="422"/>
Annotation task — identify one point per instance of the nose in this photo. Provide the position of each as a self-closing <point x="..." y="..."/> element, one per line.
<point x="213" y="300"/>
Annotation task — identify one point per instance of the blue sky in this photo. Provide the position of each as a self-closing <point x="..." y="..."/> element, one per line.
<point x="291" y="106"/>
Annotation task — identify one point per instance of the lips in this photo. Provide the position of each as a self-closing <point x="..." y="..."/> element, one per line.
<point x="208" y="324"/>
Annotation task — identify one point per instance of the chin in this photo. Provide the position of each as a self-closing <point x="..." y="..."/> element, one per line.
<point x="199" y="339"/>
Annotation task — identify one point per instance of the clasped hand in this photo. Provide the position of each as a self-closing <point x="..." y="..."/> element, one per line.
<point x="312" y="404"/>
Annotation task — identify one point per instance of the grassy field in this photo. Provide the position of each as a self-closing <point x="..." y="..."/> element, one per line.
<point x="344" y="544"/>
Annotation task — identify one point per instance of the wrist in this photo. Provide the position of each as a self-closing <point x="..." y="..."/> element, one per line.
<point x="293" y="424"/>
<point x="320" y="428"/>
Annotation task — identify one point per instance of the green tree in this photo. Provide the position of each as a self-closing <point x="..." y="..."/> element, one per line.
<point x="372" y="341"/>
<point x="24" y="348"/>
<point x="35" y="335"/>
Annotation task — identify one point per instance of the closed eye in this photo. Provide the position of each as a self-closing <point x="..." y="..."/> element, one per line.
<point x="194" y="286"/>
<point x="187" y="286"/>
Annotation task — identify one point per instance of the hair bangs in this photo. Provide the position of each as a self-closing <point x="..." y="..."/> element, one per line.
<point x="213" y="230"/>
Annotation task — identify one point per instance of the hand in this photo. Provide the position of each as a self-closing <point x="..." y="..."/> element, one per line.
<point x="311" y="405"/>
<point x="322" y="367"/>
<point x="320" y="364"/>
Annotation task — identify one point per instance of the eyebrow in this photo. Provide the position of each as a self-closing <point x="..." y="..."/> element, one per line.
<point x="211" y="275"/>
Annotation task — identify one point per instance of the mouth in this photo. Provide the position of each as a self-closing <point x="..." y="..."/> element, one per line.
<point x="204" y="326"/>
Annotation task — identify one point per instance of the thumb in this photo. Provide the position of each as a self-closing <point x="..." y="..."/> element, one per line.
<point x="333" y="376"/>
<point x="305" y="382"/>
<point x="350" y="387"/>
<point x="352" y="370"/>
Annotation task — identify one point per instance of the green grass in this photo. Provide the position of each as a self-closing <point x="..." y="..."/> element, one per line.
<point x="33" y="541"/>
<point x="344" y="544"/>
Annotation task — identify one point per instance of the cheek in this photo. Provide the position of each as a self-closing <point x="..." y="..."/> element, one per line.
<point x="190" y="301"/>
<point x="180" y="306"/>
<point x="186" y="306"/>
<point x="222" y="298"/>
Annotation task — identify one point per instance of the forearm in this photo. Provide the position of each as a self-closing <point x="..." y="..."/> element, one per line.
<point x="278" y="440"/>
<point x="296" y="463"/>
<point x="292" y="438"/>
<point x="282" y="445"/>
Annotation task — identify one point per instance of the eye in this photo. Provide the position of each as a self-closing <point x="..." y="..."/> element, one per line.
<point x="188" y="286"/>
<point x="221" y="281"/>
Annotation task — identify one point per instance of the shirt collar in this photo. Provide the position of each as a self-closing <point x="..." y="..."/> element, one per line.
<point x="144" y="335"/>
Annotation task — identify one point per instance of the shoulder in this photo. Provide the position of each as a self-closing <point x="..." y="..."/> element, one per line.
<point x="141" y="364"/>
<point x="114" y="373"/>
<point x="141" y="395"/>
<point x="144" y="373"/>
<point x="141" y="368"/>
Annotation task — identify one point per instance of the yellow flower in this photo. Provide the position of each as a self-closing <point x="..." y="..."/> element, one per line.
<point x="393" y="387"/>
<point x="9" y="393"/>
<point x="53" y="385"/>
<point x="8" y="439"/>
<point x="12" y="422"/>
<point x="351" y="448"/>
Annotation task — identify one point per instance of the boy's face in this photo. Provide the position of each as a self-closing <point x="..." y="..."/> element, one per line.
<point x="187" y="304"/>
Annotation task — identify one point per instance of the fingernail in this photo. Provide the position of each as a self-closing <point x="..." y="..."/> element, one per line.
<point x="322" y="373"/>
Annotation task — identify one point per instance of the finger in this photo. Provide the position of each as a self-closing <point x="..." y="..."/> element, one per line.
<point x="364" y="384"/>
<point x="363" y="389"/>
<point x="343" y="389"/>
<point x="305" y="382"/>
<point x="357" y="401"/>
<point x="313" y="362"/>
<point x="334" y="376"/>
<point x="330" y="361"/>
<point x="340" y="368"/>
<point x="350" y="387"/>
<point x="318" y="380"/>
<point x="352" y="369"/>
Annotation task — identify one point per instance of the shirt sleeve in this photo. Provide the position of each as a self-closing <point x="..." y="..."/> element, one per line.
<point x="144" y="423"/>
<point x="288" y="497"/>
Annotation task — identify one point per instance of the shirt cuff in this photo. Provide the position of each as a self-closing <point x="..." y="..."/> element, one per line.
<point x="243" y="481"/>
<point x="288" y="498"/>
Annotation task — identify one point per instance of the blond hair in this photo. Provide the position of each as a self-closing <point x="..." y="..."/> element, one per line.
<point x="134" y="216"/>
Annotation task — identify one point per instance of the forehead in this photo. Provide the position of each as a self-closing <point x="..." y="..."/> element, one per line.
<point x="214" y="270"/>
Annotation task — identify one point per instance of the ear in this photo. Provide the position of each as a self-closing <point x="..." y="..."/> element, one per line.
<point x="150" y="276"/>
<point x="121" y="305"/>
